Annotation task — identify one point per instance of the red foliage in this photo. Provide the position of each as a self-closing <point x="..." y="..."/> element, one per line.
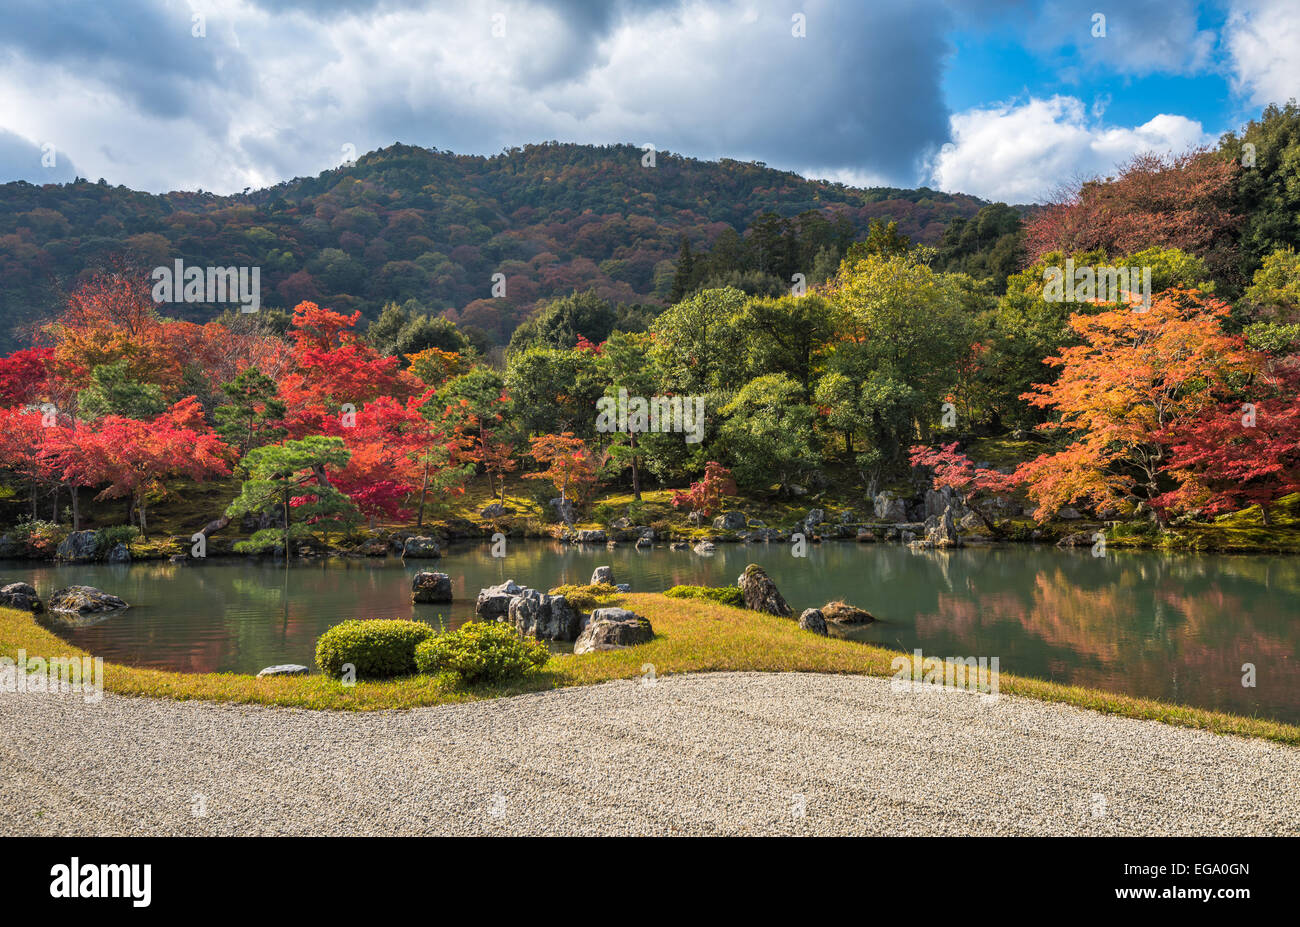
<point x="1174" y="202"/>
<point x="1232" y="457"/>
<point x="23" y="374"/>
<point x="708" y="495"/>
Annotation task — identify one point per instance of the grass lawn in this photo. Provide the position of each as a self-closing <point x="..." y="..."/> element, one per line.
<point x="690" y="636"/>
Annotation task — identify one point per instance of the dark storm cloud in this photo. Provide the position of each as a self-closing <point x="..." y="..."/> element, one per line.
<point x="277" y="97"/>
<point x="144" y="51"/>
<point x="21" y="160"/>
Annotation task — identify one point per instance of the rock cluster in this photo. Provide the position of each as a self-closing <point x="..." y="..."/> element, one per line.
<point x="21" y="596"/>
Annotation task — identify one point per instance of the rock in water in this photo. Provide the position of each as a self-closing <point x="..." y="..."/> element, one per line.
<point x="21" y="596"/>
<point x="119" y="554"/>
<point x="812" y="620"/>
<point x="544" y="617"/>
<point x="843" y="613"/>
<point x="603" y="574"/>
<point x="613" y="629"/>
<point x="431" y="588"/>
<point x="77" y="547"/>
<point x="704" y="547"/>
<point x="421" y="548"/>
<point x="284" y="669"/>
<point x="761" y="594"/>
<point x="494" y="601"/>
<point x="84" y="600"/>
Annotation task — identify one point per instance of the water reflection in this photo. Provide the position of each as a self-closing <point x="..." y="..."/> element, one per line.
<point x="1172" y="626"/>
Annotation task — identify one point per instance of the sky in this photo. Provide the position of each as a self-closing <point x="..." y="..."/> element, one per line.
<point x="1005" y="99"/>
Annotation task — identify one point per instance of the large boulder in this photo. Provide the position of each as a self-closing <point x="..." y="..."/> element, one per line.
<point x="613" y="629"/>
<point x="494" y="601"/>
<point x="843" y="613"/>
<point x="431" y="588"/>
<point x="603" y="574"/>
<point x="936" y="501"/>
<point x="496" y="510"/>
<point x="421" y="548"/>
<point x="704" y="548"/>
<point x="814" y="518"/>
<point x="889" y="508"/>
<point x="84" y="600"/>
<point x="730" y="521"/>
<point x="544" y="617"/>
<point x="590" y="536"/>
<point x="119" y="554"/>
<point x="77" y="547"/>
<point x="21" y="596"/>
<point x="813" y="620"/>
<point x="564" y="510"/>
<point x="760" y="593"/>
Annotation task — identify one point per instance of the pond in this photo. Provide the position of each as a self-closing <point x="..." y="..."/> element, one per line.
<point x="1177" y="627"/>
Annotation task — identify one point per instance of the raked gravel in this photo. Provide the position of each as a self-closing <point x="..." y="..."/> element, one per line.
<point x="723" y="753"/>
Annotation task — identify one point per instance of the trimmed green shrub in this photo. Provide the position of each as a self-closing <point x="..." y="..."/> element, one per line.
<point x="726" y="595"/>
<point x="377" y="647"/>
<point x="480" y="652"/>
<point x="585" y="598"/>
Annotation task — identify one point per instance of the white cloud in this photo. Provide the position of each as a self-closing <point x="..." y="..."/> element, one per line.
<point x="1262" y="38"/>
<point x="1022" y="152"/>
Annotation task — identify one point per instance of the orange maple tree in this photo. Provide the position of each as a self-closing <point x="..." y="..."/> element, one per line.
<point x="1136" y="376"/>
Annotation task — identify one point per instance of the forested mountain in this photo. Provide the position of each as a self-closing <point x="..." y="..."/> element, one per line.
<point x="406" y="223"/>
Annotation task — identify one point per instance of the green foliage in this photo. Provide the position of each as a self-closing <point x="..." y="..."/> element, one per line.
<point x="989" y="246"/>
<point x="113" y="391"/>
<point x="251" y="415"/>
<point x="585" y="598"/>
<point x="768" y="432"/>
<point x="480" y="652"/>
<point x="287" y="479"/>
<point x="725" y="595"/>
<point x="108" y="538"/>
<point x="378" y="648"/>
<point x="560" y="323"/>
<point x="696" y="343"/>
<point x="1267" y="193"/>
<point x="404" y="329"/>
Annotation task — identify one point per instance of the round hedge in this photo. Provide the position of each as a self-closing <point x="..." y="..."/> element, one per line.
<point x="377" y="647"/>
<point x="480" y="652"/>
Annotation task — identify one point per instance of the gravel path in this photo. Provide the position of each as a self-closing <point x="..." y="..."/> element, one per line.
<point x="727" y="753"/>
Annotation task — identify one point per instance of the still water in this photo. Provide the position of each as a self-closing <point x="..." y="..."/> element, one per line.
<point x="1177" y="627"/>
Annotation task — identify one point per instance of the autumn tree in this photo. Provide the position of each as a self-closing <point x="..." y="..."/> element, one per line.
<point x="137" y="459"/>
<point x="1135" y="377"/>
<point x="569" y="465"/>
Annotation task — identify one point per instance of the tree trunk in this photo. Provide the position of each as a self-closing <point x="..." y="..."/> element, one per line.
<point x="1264" y="516"/>
<point x="424" y="485"/>
<point x="286" y="524"/>
<point x="636" y="471"/>
<point x="76" y="509"/>
<point x="144" y="519"/>
<point x="54" y="506"/>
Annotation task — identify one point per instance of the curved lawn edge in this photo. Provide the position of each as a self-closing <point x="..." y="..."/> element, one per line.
<point x="691" y="636"/>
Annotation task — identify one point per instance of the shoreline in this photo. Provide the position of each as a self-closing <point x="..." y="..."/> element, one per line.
<point x="692" y="636"/>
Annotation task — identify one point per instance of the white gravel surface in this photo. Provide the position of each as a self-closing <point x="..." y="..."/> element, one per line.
<point x="726" y="753"/>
